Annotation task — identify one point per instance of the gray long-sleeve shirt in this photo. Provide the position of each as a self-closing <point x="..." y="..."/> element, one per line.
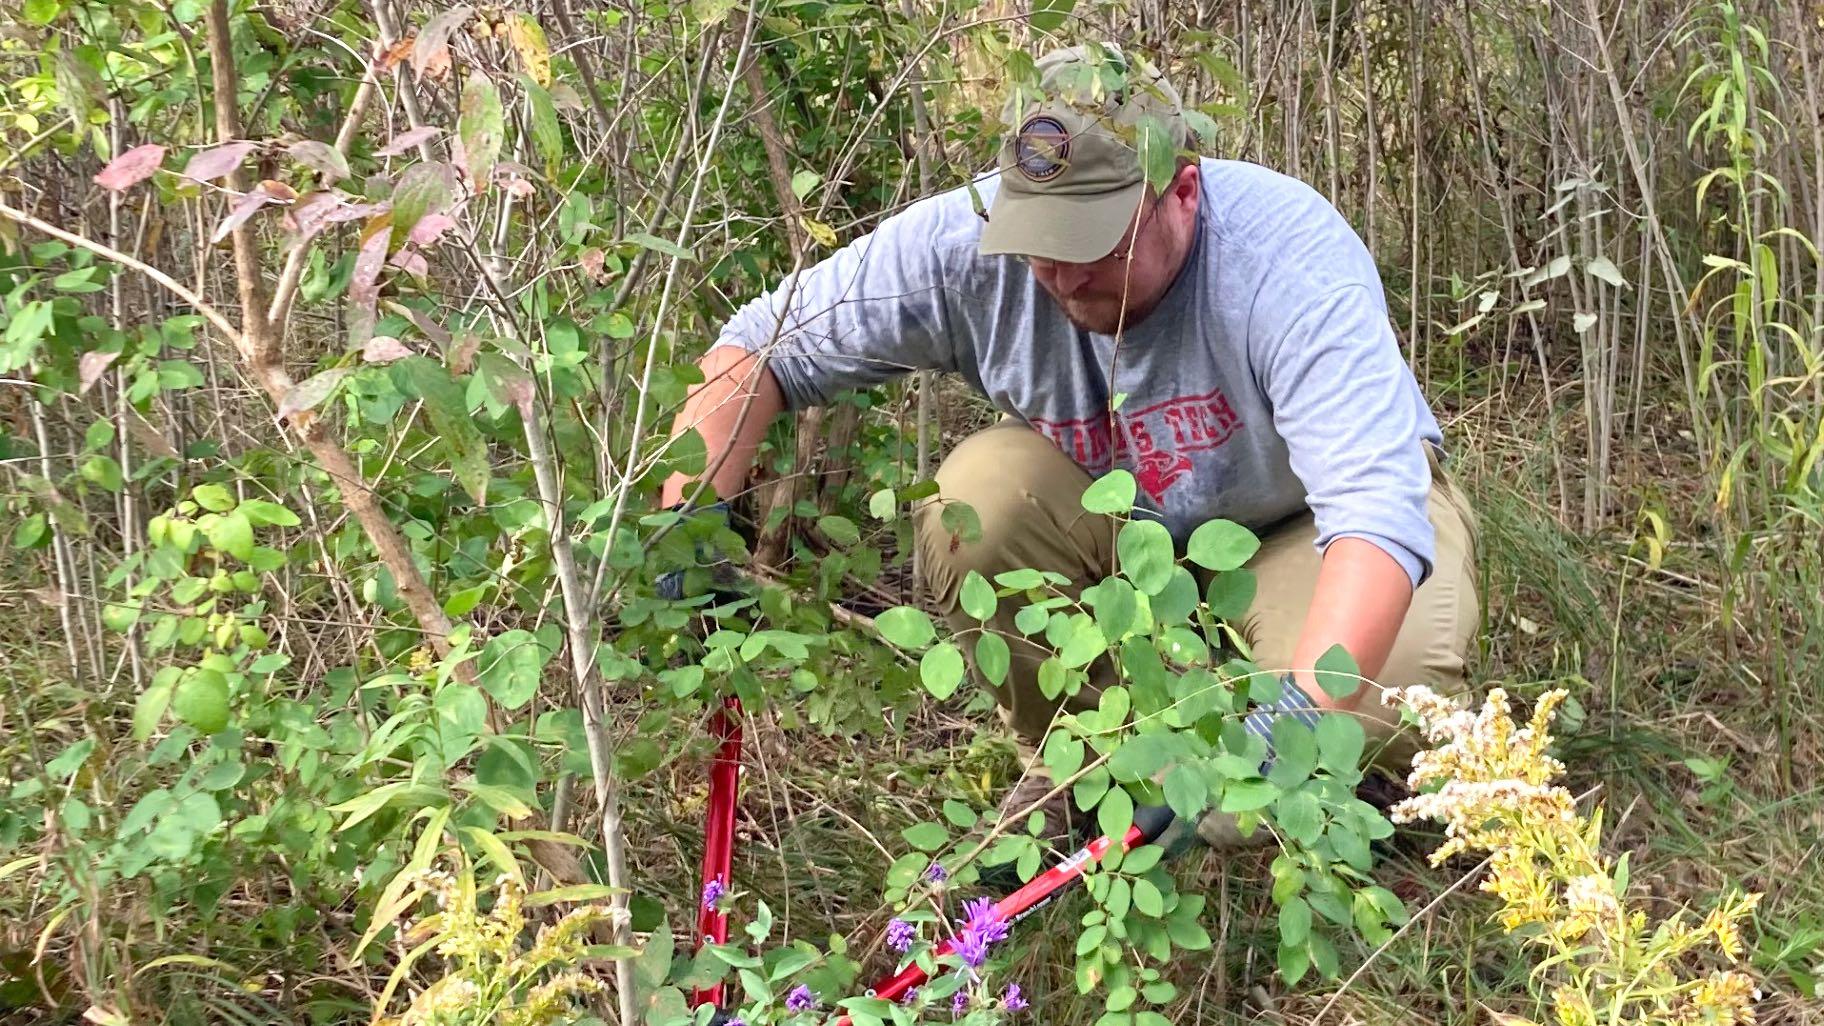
<point x="1267" y="381"/>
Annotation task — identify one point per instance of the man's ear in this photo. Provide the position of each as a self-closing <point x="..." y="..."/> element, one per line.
<point x="1187" y="186"/>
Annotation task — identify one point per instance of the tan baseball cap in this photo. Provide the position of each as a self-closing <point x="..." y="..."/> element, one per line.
<point x="1071" y="178"/>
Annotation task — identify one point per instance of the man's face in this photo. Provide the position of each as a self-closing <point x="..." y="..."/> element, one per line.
<point x="1121" y="288"/>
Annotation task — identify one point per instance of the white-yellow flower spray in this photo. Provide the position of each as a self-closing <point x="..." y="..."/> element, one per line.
<point x="1491" y="783"/>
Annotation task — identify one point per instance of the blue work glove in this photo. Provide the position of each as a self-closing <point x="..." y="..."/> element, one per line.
<point x="724" y="582"/>
<point x="1292" y="702"/>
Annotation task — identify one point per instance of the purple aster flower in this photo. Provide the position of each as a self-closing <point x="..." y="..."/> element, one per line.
<point x="936" y="873"/>
<point x="1011" y="999"/>
<point x="981" y="928"/>
<point x="900" y="935"/>
<point x="736" y="1021"/>
<point x="801" y="999"/>
<point x="909" y="997"/>
<point x="971" y="948"/>
<point x="960" y="1003"/>
<point x="712" y="893"/>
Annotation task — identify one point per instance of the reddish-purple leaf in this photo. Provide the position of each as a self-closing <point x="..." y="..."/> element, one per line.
<point x="320" y="156"/>
<point x="432" y="330"/>
<point x="364" y="286"/>
<point x="312" y="212"/>
<point x="411" y="261"/>
<point x="244" y="208"/>
<point x="433" y="46"/>
<point x="518" y="187"/>
<point x="130" y="168"/>
<point x="407" y="139"/>
<point x="384" y="349"/>
<point x="430" y="228"/>
<point x="214" y="163"/>
<point x="309" y="393"/>
<point x="89" y="369"/>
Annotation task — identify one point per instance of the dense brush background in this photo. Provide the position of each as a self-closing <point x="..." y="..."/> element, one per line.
<point x="1596" y="221"/>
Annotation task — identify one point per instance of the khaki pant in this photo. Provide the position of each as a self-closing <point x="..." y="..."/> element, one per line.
<point x="1027" y="494"/>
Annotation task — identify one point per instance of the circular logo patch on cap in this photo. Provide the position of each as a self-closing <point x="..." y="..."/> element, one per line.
<point x="1041" y="150"/>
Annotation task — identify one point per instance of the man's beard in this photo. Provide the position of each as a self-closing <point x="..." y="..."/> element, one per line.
<point x="1102" y="315"/>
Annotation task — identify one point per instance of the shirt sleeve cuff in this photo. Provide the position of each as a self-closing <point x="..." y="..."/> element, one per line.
<point x="1417" y="569"/>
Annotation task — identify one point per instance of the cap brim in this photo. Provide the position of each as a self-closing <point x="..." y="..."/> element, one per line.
<point x="1077" y="229"/>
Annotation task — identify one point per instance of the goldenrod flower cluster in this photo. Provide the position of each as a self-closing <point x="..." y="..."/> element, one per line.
<point x="493" y="974"/>
<point x="1491" y="783"/>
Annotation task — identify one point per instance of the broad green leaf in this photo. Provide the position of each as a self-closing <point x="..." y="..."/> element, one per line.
<point x="462" y="709"/>
<point x="882" y="505"/>
<point x="152" y="703"/>
<point x="977" y="597"/>
<point x="1158" y="157"/>
<point x="941" y="670"/>
<point x="958" y="813"/>
<point x="480" y="126"/>
<point x="1186" y="792"/>
<point x="658" y="245"/>
<point x="510" y="666"/>
<point x="1145" y="551"/>
<point x="1337" y="673"/>
<point x="231" y="533"/>
<point x="1299" y="816"/>
<point x="425" y="188"/>
<point x="261" y="513"/>
<point x="992" y="658"/>
<point x="638" y="757"/>
<point x="1294" y="962"/>
<point x="201" y="700"/>
<point x="1221" y="545"/>
<point x="1294" y="752"/>
<point x="1248" y="795"/>
<point x="213" y="497"/>
<point x="1339" y="743"/>
<point x="1116" y="605"/>
<point x="1084" y="644"/>
<point x="1063" y="755"/>
<point x="961" y="520"/>
<point x="426" y="379"/>
<point x="1148" y="899"/>
<point x="1230" y="594"/>
<point x="545" y="132"/>
<point x="840" y="530"/>
<point x="1139" y="757"/>
<point x="1113" y="492"/>
<point x="102" y="471"/>
<point x="1049" y="15"/>
<point x="926" y="836"/>
<point x="905" y="626"/>
<point x="1115" y="813"/>
<point x="1294" y="922"/>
